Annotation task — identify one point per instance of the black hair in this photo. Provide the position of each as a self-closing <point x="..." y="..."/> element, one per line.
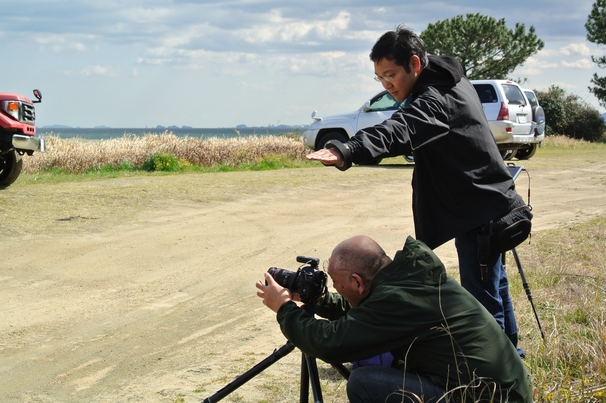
<point x="399" y="46"/>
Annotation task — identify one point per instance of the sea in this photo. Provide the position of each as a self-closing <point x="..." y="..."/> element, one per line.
<point x="101" y="133"/>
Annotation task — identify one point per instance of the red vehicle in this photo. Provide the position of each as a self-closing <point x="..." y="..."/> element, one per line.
<point x="17" y="134"/>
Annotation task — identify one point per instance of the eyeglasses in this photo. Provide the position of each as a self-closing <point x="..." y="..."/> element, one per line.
<point x="387" y="79"/>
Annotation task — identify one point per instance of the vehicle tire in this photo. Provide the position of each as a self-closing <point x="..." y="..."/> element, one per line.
<point x="11" y="165"/>
<point x="508" y="154"/>
<point x="526" y="152"/>
<point x="330" y="136"/>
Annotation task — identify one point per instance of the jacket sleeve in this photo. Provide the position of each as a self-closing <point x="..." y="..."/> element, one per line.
<point x="424" y="120"/>
<point x="334" y="306"/>
<point x="358" y="335"/>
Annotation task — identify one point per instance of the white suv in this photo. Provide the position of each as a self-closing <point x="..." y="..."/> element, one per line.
<point x="510" y="115"/>
<point x="506" y="107"/>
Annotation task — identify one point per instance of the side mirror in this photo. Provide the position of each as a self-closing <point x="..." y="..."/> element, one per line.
<point x="38" y="95"/>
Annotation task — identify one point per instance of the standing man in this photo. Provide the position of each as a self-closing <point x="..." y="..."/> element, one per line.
<point x="446" y="346"/>
<point x="460" y="182"/>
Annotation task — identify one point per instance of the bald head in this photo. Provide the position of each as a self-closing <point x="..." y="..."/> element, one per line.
<point x="362" y="255"/>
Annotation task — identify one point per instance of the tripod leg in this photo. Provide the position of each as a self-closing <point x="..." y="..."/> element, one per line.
<point x="248" y="375"/>
<point x="527" y="289"/>
<point x="304" y="388"/>
<point x="313" y="378"/>
<point x="342" y="370"/>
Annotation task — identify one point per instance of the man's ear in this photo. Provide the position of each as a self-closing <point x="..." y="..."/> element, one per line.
<point x="415" y="64"/>
<point x="361" y="285"/>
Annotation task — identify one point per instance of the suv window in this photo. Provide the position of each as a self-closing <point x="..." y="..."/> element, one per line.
<point x="514" y="95"/>
<point x="486" y="92"/>
<point x="384" y="102"/>
<point x="532" y="98"/>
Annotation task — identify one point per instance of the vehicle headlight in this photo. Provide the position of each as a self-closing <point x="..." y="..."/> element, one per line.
<point x="12" y="108"/>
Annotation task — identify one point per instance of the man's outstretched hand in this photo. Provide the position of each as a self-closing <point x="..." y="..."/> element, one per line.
<point x="326" y="156"/>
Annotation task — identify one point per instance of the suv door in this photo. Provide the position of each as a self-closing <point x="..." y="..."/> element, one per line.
<point x="377" y="110"/>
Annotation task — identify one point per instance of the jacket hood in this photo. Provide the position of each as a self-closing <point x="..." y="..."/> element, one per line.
<point x="420" y="264"/>
<point x="442" y="71"/>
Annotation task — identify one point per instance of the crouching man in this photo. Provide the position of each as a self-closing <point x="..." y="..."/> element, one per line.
<point x="443" y="341"/>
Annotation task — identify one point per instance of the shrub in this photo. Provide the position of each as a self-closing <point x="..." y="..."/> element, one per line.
<point x="165" y="162"/>
<point x="568" y="115"/>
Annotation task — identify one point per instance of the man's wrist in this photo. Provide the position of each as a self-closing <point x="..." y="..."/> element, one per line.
<point x="344" y="150"/>
<point x="283" y="307"/>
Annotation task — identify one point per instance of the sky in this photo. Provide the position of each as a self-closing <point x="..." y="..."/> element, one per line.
<point x="206" y="64"/>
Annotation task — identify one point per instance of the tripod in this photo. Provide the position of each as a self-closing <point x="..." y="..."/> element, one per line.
<point x="309" y="374"/>
<point x="515" y="171"/>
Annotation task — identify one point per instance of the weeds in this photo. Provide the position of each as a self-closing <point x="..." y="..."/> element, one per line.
<point x="566" y="271"/>
<point x="166" y="153"/>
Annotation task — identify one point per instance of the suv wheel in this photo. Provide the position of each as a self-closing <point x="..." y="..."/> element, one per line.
<point x="330" y="136"/>
<point x="508" y="154"/>
<point x="526" y="152"/>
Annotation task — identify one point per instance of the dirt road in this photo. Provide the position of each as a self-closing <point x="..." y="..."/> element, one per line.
<point x="141" y="289"/>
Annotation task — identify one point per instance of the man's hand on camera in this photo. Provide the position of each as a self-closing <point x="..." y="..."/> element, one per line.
<point x="326" y="156"/>
<point x="273" y="294"/>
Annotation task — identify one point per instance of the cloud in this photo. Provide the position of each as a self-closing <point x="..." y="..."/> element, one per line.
<point x="579" y="64"/>
<point x="573" y="49"/>
<point x="64" y="43"/>
<point x="281" y="30"/>
<point x="93" y="70"/>
<point x="327" y="64"/>
<point x="142" y="15"/>
<point x="534" y="66"/>
<point x="576" y="49"/>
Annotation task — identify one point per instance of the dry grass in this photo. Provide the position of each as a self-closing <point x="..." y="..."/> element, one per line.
<point x="78" y="155"/>
<point x="567" y="143"/>
<point x="566" y="271"/>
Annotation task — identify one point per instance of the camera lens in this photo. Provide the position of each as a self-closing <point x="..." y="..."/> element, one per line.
<point x="285" y="278"/>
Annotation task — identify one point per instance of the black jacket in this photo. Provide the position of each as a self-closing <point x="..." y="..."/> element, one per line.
<point x="460" y="180"/>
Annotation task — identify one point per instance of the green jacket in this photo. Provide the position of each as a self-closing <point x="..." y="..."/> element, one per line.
<point x="431" y="325"/>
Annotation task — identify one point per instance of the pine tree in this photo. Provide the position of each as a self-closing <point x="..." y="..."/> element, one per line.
<point x="596" y="33"/>
<point x="484" y="46"/>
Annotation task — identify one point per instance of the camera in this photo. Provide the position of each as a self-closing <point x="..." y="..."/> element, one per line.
<point x="308" y="281"/>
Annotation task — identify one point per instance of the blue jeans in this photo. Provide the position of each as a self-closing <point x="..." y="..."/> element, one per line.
<point x="492" y="294"/>
<point x="388" y="385"/>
